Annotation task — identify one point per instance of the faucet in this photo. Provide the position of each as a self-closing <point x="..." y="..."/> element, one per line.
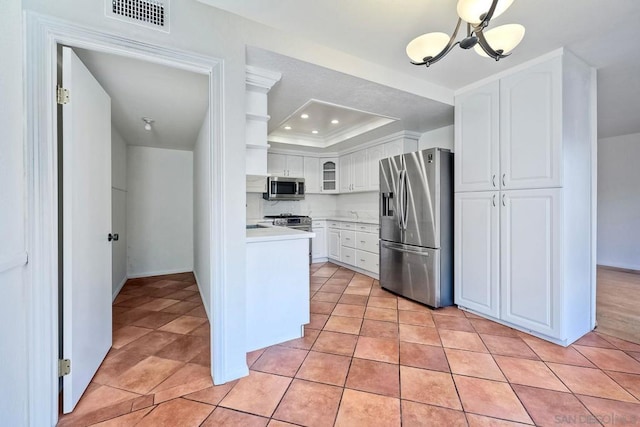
<point x="355" y="213"/>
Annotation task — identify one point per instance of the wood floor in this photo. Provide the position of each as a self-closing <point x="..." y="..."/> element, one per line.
<point x="617" y="304"/>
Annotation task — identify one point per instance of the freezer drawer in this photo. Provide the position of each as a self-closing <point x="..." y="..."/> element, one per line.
<point x="413" y="272"/>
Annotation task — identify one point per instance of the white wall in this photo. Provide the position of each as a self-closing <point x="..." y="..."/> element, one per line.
<point x="159" y="211"/>
<point x="365" y="205"/>
<point x="13" y="307"/>
<point x="442" y="137"/>
<point x="313" y="205"/>
<point x="619" y="201"/>
<point x="202" y="214"/>
<point x="118" y="210"/>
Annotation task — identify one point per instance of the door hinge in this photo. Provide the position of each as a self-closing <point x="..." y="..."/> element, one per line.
<point x="62" y="95"/>
<point x="64" y="367"/>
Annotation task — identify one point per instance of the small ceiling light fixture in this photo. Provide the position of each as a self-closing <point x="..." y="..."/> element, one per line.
<point x="304" y="116"/>
<point x="287" y="128"/>
<point x="496" y="43"/>
<point x="335" y="121"/>
<point x="147" y="123"/>
<point x="314" y="132"/>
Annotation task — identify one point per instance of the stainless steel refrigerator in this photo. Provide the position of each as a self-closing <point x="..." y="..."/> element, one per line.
<point x="416" y="226"/>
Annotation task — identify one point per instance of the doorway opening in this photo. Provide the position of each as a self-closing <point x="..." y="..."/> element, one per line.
<point x="44" y="34"/>
<point x="153" y="259"/>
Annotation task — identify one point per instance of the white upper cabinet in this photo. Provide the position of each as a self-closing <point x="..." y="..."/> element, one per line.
<point x="285" y="165"/>
<point x="400" y="146"/>
<point x="359" y="170"/>
<point x="329" y="175"/>
<point x="531" y="127"/>
<point x="477" y="144"/>
<point x="312" y="175"/>
<point x="345" y="174"/>
<point x="374" y="155"/>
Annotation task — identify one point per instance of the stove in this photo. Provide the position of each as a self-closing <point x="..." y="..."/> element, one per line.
<point x="298" y="222"/>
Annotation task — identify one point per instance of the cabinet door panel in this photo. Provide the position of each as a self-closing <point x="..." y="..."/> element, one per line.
<point x="477" y="141"/>
<point x="374" y="155"/>
<point x="359" y="171"/>
<point x="345" y="173"/>
<point x="319" y="243"/>
<point x="329" y="170"/>
<point x="530" y="259"/>
<point x="312" y="174"/>
<point x="295" y="166"/>
<point x="276" y="164"/>
<point x="531" y="127"/>
<point x="334" y="244"/>
<point x="476" y="260"/>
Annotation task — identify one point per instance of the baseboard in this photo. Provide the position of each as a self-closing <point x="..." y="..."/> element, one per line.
<point x="621" y="269"/>
<point x="205" y="303"/>
<point x="160" y="273"/>
<point x="118" y="289"/>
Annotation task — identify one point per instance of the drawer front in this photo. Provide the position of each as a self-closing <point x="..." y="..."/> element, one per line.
<point x="366" y="228"/>
<point x="375" y="229"/>
<point x="348" y="255"/>
<point x="333" y="224"/>
<point x="318" y="224"/>
<point x="348" y="226"/>
<point x="367" y="261"/>
<point x="367" y="242"/>
<point x="348" y="239"/>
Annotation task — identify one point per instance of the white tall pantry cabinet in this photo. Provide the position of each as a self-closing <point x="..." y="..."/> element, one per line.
<point x="523" y="202"/>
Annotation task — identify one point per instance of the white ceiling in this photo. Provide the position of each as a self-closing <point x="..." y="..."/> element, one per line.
<point x="602" y="33"/>
<point x="302" y="81"/>
<point x="175" y="99"/>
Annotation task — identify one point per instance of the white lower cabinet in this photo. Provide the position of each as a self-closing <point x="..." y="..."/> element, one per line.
<point x="530" y="261"/>
<point x="354" y="244"/>
<point x="508" y="262"/>
<point x="333" y="243"/>
<point x="319" y="243"/>
<point x="476" y="261"/>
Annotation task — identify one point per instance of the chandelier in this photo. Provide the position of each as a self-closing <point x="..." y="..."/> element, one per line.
<point x="496" y="43"/>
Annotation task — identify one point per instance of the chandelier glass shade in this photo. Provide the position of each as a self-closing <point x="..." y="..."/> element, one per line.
<point x="496" y="43"/>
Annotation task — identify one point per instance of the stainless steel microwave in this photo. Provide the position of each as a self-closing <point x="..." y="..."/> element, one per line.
<point x="284" y="188"/>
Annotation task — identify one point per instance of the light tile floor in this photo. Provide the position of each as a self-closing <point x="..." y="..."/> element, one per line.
<point x="368" y="358"/>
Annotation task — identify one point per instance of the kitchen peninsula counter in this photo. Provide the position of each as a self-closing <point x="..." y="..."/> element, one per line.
<point x="277" y="300"/>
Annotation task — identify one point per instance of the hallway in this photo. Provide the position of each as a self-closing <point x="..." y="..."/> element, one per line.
<point x="368" y="358"/>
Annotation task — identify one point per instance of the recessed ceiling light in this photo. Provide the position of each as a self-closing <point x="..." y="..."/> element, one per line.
<point x="287" y="127"/>
<point x="314" y="132"/>
<point x="304" y="116"/>
<point x="335" y="121"/>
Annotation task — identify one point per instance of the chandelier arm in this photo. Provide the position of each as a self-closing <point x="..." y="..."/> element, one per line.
<point x="444" y="51"/>
<point x="487" y="17"/>
<point x="484" y="44"/>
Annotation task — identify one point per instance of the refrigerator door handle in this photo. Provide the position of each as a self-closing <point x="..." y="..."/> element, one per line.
<point x="401" y="248"/>
<point x="402" y="198"/>
<point x="399" y="200"/>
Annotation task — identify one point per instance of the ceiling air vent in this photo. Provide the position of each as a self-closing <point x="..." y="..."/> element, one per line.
<point x="148" y="13"/>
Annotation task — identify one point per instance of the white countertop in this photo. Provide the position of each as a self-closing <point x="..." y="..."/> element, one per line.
<point x="347" y="219"/>
<point x="272" y="233"/>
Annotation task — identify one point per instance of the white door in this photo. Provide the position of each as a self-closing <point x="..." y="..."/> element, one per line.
<point x="477" y="260"/>
<point x="530" y="259"/>
<point x="86" y="206"/>
<point x="531" y="127"/>
<point x="477" y="144"/>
